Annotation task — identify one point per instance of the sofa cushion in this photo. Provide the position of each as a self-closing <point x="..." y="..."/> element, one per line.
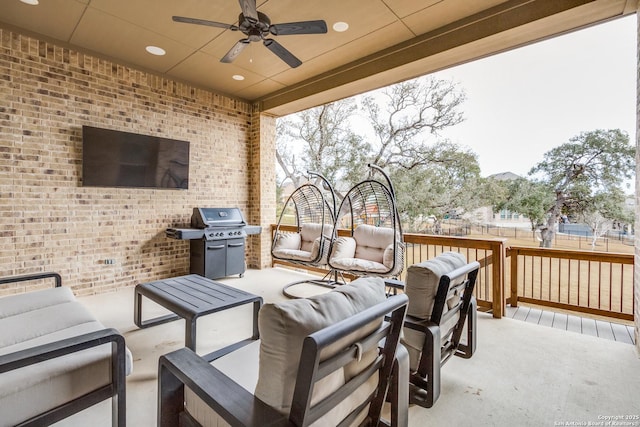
<point x="26" y="326"/>
<point x="44" y="317"/>
<point x="29" y="301"/>
<point x="53" y="382"/>
<point x="284" y="326"/>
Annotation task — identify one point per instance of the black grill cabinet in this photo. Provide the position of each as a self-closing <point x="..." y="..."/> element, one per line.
<point x="217" y="241"/>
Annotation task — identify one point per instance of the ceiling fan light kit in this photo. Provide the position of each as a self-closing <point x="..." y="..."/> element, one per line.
<point x="256" y="26"/>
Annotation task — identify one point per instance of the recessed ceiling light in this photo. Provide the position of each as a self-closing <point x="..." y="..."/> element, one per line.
<point x="155" y="50"/>
<point x="340" y="27"/>
<point x="31" y="2"/>
<point x="237" y="77"/>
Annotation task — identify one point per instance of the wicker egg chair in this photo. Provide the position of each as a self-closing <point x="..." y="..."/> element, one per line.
<point x="311" y="209"/>
<point x="372" y="244"/>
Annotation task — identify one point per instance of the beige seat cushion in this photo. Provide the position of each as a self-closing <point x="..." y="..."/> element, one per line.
<point x="370" y="250"/>
<point x="311" y="233"/>
<point x="421" y="288"/>
<point x="51" y="383"/>
<point x="304" y="246"/>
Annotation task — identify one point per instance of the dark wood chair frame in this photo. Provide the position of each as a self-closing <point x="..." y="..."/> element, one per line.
<point x="435" y="352"/>
<point x="238" y="407"/>
<point x="115" y="390"/>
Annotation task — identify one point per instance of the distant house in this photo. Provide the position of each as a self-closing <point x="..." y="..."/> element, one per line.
<point x="504" y="218"/>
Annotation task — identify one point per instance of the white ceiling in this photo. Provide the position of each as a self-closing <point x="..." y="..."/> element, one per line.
<point x="387" y="40"/>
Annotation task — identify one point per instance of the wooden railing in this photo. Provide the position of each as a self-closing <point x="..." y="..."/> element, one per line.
<point x="583" y="281"/>
<point x="598" y="283"/>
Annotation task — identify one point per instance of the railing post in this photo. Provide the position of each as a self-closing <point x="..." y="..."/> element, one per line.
<point x="498" y="258"/>
<point x="513" y="281"/>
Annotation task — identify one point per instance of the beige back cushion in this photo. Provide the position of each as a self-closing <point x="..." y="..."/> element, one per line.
<point x="422" y="282"/>
<point x="284" y="326"/>
<point x="372" y="242"/>
<point x="310" y="234"/>
<point x="421" y="288"/>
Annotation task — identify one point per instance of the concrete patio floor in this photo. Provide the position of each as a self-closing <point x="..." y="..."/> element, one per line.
<point x="521" y="375"/>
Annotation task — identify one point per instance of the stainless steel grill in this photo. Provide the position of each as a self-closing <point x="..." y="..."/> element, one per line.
<point x="217" y="241"/>
<point x="219" y="223"/>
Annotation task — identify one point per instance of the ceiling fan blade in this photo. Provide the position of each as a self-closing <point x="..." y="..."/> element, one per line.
<point x="235" y="50"/>
<point x="304" y="27"/>
<point x="249" y="9"/>
<point x="204" y="22"/>
<point x="283" y="53"/>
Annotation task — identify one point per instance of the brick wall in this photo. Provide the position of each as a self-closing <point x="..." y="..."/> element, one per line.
<point x="49" y="221"/>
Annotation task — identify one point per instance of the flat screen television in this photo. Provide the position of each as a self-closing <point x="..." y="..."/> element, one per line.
<point x="113" y="158"/>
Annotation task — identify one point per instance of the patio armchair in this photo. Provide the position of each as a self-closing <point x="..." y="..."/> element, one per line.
<point x="441" y="306"/>
<point x="327" y="360"/>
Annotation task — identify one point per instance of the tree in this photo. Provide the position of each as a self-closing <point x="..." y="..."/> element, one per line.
<point x="591" y="166"/>
<point x="401" y="114"/>
<point x="402" y="137"/>
<point x="603" y="212"/>
<point x="319" y="139"/>
<point x="426" y="193"/>
<point x="528" y="198"/>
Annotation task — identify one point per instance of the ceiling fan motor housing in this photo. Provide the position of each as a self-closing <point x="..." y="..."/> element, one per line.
<point x="254" y="30"/>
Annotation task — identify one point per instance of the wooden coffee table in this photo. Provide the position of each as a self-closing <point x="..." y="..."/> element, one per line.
<point x="189" y="297"/>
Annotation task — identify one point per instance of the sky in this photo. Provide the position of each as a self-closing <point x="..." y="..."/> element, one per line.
<point x="522" y="103"/>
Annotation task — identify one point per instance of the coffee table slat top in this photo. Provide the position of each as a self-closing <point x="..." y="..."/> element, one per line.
<point x="195" y="295"/>
<point x="190" y="297"/>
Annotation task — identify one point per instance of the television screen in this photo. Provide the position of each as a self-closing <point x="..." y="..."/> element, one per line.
<point x="121" y="159"/>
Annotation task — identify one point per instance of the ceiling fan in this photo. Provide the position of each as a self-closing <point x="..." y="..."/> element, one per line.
<point x="257" y="26"/>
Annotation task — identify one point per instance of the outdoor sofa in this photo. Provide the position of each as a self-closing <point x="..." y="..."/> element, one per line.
<point x="56" y="358"/>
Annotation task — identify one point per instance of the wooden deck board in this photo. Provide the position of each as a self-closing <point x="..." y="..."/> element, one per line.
<point x="574" y="323"/>
<point x="534" y="316"/>
<point x="546" y="319"/>
<point x="560" y="321"/>
<point x="621" y="333"/>
<point x="589" y="327"/>
<point x="521" y="313"/>
<point x="602" y="329"/>
<point x="632" y="333"/>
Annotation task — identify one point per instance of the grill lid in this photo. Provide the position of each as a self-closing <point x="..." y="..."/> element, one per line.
<point x="217" y="217"/>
